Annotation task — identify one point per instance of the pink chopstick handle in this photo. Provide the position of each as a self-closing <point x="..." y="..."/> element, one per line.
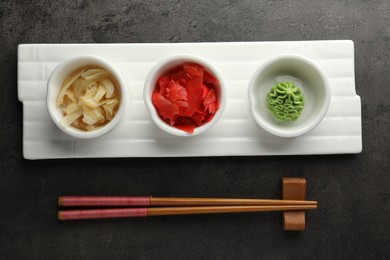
<point x="102" y="213"/>
<point x="87" y="201"/>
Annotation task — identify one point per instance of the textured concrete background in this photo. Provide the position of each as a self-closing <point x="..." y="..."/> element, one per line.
<point x="353" y="190"/>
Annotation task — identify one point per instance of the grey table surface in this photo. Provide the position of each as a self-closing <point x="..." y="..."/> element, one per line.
<point x="352" y="221"/>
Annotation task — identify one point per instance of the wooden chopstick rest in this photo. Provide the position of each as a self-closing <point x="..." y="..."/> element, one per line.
<point x="294" y="189"/>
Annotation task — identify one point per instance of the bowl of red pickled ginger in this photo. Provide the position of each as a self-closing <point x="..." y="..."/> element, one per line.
<point x="185" y="95"/>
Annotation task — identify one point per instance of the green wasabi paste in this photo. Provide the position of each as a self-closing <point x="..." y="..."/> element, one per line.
<point x="285" y="101"/>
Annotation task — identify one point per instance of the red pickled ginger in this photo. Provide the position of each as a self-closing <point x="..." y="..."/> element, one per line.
<point x="185" y="97"/>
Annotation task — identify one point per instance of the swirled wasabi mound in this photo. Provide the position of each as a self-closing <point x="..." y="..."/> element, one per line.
<point x="286" y="101"/>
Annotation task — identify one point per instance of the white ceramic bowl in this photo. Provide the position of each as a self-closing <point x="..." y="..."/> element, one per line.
<point x="57" y="77"/>
<point x="315" y="87"/>
<point x="167" y="64"/>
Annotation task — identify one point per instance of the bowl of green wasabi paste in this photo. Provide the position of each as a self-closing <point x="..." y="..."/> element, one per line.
<point x="289" y="95"/>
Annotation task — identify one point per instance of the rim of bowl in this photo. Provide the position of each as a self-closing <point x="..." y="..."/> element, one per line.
<point x="53" y="91"/>
<point x="268" y="126"/>
<point x="171" y="62"/>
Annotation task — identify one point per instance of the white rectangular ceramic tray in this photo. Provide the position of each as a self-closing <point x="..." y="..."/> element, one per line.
<point x="235" y="134"/>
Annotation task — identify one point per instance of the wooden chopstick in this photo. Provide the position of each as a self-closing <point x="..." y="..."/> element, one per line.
<point x="118" y="201"/>
<point x="145" y="212"/>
